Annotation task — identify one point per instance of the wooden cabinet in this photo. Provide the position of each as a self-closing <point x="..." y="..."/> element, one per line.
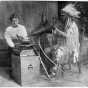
<point x="25" y="69"/>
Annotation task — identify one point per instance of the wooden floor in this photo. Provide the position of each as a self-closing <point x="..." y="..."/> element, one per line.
<point x="70" y="79"/>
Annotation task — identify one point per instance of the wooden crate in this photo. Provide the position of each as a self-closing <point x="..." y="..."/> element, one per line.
<point x="25" y="69"/>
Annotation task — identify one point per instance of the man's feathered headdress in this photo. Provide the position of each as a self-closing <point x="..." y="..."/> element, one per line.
<point x="71" y="10"/>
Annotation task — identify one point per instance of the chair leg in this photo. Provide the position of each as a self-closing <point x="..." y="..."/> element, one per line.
<point x="79" y="67"/>
<point x="60" y="72"/>
<point x="69" y="64"/>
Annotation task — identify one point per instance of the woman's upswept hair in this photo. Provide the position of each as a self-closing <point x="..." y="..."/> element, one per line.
<point x="14" y="15"/>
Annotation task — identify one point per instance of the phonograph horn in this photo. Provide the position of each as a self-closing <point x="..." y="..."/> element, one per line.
<point x="42" y="30"/>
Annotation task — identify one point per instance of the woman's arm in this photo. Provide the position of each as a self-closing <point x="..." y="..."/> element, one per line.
<point x="9" y="40"/>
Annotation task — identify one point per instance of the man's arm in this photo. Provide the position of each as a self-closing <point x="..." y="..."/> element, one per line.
<point x="62" y="33"/>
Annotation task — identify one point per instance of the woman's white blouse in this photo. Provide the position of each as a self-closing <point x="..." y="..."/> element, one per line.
<point x="12" y="33"/>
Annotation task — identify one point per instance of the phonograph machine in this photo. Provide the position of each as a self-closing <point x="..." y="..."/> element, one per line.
<point x="25" y="62"/>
